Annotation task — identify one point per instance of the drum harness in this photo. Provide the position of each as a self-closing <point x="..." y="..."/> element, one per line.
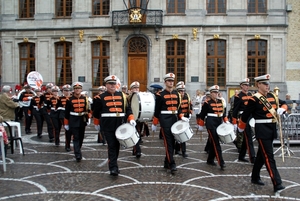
<point x="269" y="107"/>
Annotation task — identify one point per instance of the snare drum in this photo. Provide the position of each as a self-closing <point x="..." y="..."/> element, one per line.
<point x="142" y="106"/>
<point x="252" y="125"/>
<point x="127" y="135"/>
<point x="226" y="133"/>
<point x="182" y="131"/>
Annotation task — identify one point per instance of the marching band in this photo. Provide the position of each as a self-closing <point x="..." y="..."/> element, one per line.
<point x="128" y="112"/>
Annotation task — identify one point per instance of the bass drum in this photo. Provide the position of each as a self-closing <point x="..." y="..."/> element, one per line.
<point x="226" y="133"/>
<point x="182" y="131"/>
<point x="127" y="135"/>
<point x="142" y="106"/>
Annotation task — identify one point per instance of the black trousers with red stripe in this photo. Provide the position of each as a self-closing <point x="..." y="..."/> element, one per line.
<point x="214" y="148"/>
<point x="265" y="157"/>
<point x="169" y="142"/>
<point x="247" y="143"/>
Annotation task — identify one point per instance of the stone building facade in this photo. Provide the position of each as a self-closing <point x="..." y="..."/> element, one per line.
<point x="202" y="45"/>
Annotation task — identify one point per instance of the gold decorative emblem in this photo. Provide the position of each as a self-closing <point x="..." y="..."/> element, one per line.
<point x="81" y="32"/>
<point x="195" y="31"/>
<point x="175" y="36"/>
<point x="25" y="40"/>
<point x="62" y="38"/>
<point x="257" y="36"/>
<point x="216" y="36"/>
<point x="99" y="37"/>
<point x="135" y="16"/>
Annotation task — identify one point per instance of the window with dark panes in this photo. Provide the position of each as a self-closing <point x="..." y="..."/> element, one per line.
<point x="63" y="8"/>
<point x="63" y="63"/>
<point x="257" y="6"/>
<point x="138" y="3"/>
<point x="100" y="7"/>
<point x="256" y="59"/>
<point x="216" y="6"/>
<point x="176" y="6"/>
<point x="26" y="8"/>
<point x="176" y="59"/>
<point x="216" y="63"/>
<point x="27" y="60"/>
<point x="100" y="62"/>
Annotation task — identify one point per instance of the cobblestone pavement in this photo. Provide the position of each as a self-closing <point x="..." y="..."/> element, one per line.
<point x="48" y="172"/>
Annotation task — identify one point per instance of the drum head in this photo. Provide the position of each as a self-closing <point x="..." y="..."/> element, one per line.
<point x="125" y="131"/>
<point x="135" y="105"/>
<point x="179" y="127"/>
<point x="225" y="129"/>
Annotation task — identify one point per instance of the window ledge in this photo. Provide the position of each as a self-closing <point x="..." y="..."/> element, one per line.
<point x="98" y="16"/>
<point x="175" y="14"/>
<point x="216" y="14"/>
<point x="60" y="18"/>
<point x="31" y="18"/>
<point x="256" y="14"/>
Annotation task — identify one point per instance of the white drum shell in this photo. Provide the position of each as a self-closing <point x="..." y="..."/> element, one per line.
<point x="226" y="133"/>
<point x="142" y="106"/>
<point x="127" y="135"/>
<point x="182" y="131"/>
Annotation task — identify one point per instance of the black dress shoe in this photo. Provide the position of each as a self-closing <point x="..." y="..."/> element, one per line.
<point x="166" y="165"/>
<point x="176" y="152"/>
<point x="51" y="139"/>
<point x="173" y="168"/>
<point x="39" y="135"/>
<point x="78" y="159"/>
<point x="278" y="187"/>
<point x="114" y="172"/>
<point x="211" y="163"/>
<point x="223" y="166"/>
<point x="243" y="159"/>
<point x="184" y="155"/>
<point x="258" y="182"/>
<point x="138" y="155"/>
<point x="67" y="149"/>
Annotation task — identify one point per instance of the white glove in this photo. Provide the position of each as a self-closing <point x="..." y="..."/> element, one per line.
<point x="97" y="127"/>
<point x="280" y="111"/>
<point x="29" y="97"/>
<point x="235" y="127"/>
<point x="29" y="115"/>
<point x="240" y="130"/>
<point x="89" y="121"/>
<point x="185" y="119"/>
<point x="132" y="122"/>
<point x="200" y="128"/>
<point x="66" y="127"/>
<point x="190" y="116"/>
<point x="153" y="128"/>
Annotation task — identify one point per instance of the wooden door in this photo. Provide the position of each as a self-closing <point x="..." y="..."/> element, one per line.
<point x="137" y="62"/>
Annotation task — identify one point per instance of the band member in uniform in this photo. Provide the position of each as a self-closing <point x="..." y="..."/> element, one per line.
<point x="26" y="97"/>
<point x="215" y="114"/>
<point x="266" y="108"/>
<point x="110" y="111"/>
<point x="47" y="96"/>
<point x="167" y="112"/>
<point x="66" y="89"/>
<point x="240" y="103"/>
<point x="156" y="90"/>
<point x="136" y="151"/>
<point x="52" y="107"/>
<point x="187" y="110"/>
<point x="76" y="118"/>
<point x="124" y="89"/>
<point x="101" y="137"/>
<point x="36" y="109"/>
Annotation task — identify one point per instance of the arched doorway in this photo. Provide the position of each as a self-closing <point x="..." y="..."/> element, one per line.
<point x="138" y="61"/>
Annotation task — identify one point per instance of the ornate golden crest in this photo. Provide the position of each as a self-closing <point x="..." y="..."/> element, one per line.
<point x="216" y="36"/>
<point x="25" y="40"/>
<point x="62" y="38"/>
<point x="257" y="36"/>
<point x="99" y="37"/>
<point x="175" y="36"/>
<point x="135" y="15"/>
<point x="81" y="32"/>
